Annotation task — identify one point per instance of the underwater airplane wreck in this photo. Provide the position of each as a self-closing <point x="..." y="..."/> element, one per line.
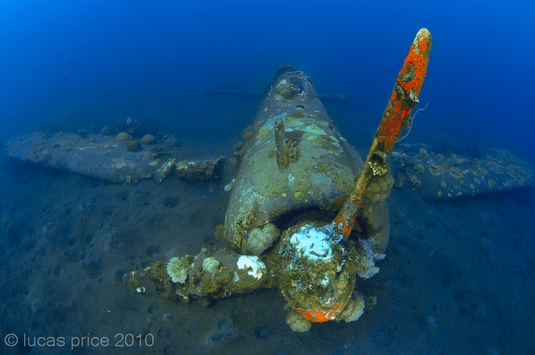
<point x="307" y="214"/>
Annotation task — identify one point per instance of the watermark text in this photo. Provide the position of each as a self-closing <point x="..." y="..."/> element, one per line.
<point x="119" y="340"/>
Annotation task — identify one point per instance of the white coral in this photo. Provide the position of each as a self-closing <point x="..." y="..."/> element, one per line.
<point x="177" y="269"/>
<point x="367" y="258"/>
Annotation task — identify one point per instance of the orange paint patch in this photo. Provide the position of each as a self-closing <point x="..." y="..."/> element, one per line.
<point x="322" y="315"/>
<point x="339" y="219"/>
<point x="409" y="81"/>
<point x="344" y="226"/>
<point x="395" y="118"/>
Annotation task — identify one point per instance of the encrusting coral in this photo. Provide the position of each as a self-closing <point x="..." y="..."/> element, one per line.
<point x="177" y="269"/>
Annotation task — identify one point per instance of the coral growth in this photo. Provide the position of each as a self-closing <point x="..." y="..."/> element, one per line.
<point x="123" y="137"/>
<point x="289" y="154"/>
<point x="366" y="258"/>
<point x="177" y="269"/>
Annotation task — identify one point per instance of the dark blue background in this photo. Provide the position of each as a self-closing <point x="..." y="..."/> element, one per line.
<point x="98" y="61"/>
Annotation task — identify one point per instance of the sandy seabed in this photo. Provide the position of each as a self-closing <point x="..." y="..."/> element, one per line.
<point x="458" y="277"/>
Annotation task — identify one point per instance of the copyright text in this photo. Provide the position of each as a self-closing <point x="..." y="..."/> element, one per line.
<point x="75" y="342"/>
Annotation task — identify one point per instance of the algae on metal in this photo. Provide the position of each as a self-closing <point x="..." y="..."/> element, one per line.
<point x="295" y="160"/>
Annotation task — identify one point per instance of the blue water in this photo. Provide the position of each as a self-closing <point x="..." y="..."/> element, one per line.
<point x="98" y="60"/>
<point x="459" y="275"/>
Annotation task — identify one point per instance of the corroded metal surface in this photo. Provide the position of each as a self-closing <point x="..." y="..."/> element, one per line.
<point x="445" y="176"/>
<point x="294" y="160"/>
<point x="104" y="157"/>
